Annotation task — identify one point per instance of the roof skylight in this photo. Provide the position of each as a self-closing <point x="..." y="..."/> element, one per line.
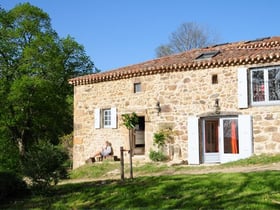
<point x="207" y="55"/>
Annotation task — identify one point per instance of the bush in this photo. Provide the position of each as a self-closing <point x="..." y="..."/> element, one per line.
<point x="159" y="139"/>
<point x="11" y="186"/>
<point x="44" y="164"/>
<point x="66" y="142"/>
<point x="157" y="156"/>
<point x="9" y="153"/>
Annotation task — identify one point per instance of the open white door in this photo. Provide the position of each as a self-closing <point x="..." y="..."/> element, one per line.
<point x="193" y="140"/>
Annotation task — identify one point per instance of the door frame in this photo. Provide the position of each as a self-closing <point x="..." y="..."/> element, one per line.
<point x="194" y="144"/>
<point x="220" y="156"/>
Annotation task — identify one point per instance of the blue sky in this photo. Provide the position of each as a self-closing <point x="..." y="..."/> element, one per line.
<point x="117" y="33"/>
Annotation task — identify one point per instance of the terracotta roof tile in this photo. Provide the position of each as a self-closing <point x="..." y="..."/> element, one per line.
<point x="230" y="54"/>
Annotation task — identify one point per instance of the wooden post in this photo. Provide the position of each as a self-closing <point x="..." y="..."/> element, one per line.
<point x="130" y="151"/>
<point x="122" y="163"/>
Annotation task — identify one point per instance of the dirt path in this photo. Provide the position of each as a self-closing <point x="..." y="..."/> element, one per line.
<point x="235" y="169"/>
<point x="115" y="174"/>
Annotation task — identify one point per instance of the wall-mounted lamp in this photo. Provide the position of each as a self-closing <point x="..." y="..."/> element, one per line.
<point x="217" y="106"/>
<point x="158" y="107"/>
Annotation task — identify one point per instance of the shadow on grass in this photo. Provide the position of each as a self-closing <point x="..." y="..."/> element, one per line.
<point x="258" y="190"/>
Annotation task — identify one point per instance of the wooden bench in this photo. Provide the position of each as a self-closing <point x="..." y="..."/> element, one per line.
<point x="109" y="157"/>
<point x="100" y="158"/>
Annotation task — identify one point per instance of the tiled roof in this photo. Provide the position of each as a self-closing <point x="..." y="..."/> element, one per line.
<point x="264" y="50"/>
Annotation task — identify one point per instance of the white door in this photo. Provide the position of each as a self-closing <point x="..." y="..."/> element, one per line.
<point x="229" y="140"/>
<point x="223" y="139"/>
<point x="210" y="141"/>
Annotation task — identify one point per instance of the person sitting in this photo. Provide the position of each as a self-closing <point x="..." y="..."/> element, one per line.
<point x="106" y="151"/>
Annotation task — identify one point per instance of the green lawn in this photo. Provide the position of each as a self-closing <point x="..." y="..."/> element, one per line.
<point x="254" y="190"/>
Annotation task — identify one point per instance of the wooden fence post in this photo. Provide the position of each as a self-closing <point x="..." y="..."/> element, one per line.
<point x="122" y="163"/>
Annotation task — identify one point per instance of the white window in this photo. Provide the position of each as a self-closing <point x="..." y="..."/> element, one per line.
<point x="265" y="85"/>
<point x="105" y="118"/>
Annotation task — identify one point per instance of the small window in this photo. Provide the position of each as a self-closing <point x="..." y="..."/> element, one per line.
<point x="265" y="85"/>
<point x="207" y="55"/>
<point x="215" y="79"/>
<point x="105" y="118"/>
<point x="106" y="114"/>
<point x="137" y="87"/>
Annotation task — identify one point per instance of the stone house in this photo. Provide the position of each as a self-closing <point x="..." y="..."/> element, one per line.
<point x="221" y="102"/>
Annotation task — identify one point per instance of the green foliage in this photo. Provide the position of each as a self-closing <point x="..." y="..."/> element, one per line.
<point x="97" y="171"/>
<point x="255" y="160"/>
<point x="94" y="170"/>
<point x="157" y="156"/>
<point x="9" y="155"/>
<point x="44" y="165"/>
<point x="159" y="139"/>
<point x="154" y="181"/>
<point x="256" y="190"/>
<point x="11" y="186"/>
<point x="66" y="142"/>
<point x="162" y="137"/>
<point x="35" y="97"/>
<point x="130" y="120"/>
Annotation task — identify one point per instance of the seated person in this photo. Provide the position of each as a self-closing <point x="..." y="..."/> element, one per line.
<point x="106" y="150"/>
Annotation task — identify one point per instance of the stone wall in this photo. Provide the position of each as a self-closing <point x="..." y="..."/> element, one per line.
<point x="181" y="94"/>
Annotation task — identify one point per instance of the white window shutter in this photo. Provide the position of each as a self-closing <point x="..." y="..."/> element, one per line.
<point x="97" y="118"/>
<point x="245" y="136"/>
<point x="242" y="88"/>
<point x="114" y="117"/>
<point x="193" y="140"/>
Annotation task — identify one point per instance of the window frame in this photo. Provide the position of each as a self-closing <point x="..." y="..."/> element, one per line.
<point x="266" y="82"/>
<point x="137" y="87"/>
<point x="100" y="118"/>
<point x="106" y="118"/>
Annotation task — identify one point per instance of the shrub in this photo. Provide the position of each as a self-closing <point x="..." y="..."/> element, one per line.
<point x="157" y="156"/>
<point x="44" y="164"/>
<point x="66" y="142"/>
<point x="11" y="185"/>
<point x="9" y="153"/>
<point x="159" y="139"/>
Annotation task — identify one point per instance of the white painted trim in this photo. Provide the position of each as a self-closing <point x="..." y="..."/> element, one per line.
<point x="242" y="88"/>
<point x="97" y="118"/>
<point x="245" y="133"/>
<point x="113" y="117"/>
<point x="193" y="140"/>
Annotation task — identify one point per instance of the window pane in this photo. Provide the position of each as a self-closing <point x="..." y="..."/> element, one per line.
<point x="137" y="87"/>
<point x="258" y="85"/>
<point x="231" y="144"/>
<point x="107" y="117"/>
<point x="274" y="84"/>
<point x="211" y="136"/>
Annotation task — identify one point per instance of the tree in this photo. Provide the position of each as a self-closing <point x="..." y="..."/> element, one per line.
<point x="188" y="36"/>
<point x="35" y="65"/>
<point x="130" y="121"/>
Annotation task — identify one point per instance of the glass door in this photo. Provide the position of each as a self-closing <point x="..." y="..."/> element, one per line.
<point x="220" y="140"/>
<point x="229" y="146"/>
<point x="211" y="141"/>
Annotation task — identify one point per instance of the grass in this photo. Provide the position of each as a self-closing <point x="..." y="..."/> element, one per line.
<point x="254" y="190"/>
